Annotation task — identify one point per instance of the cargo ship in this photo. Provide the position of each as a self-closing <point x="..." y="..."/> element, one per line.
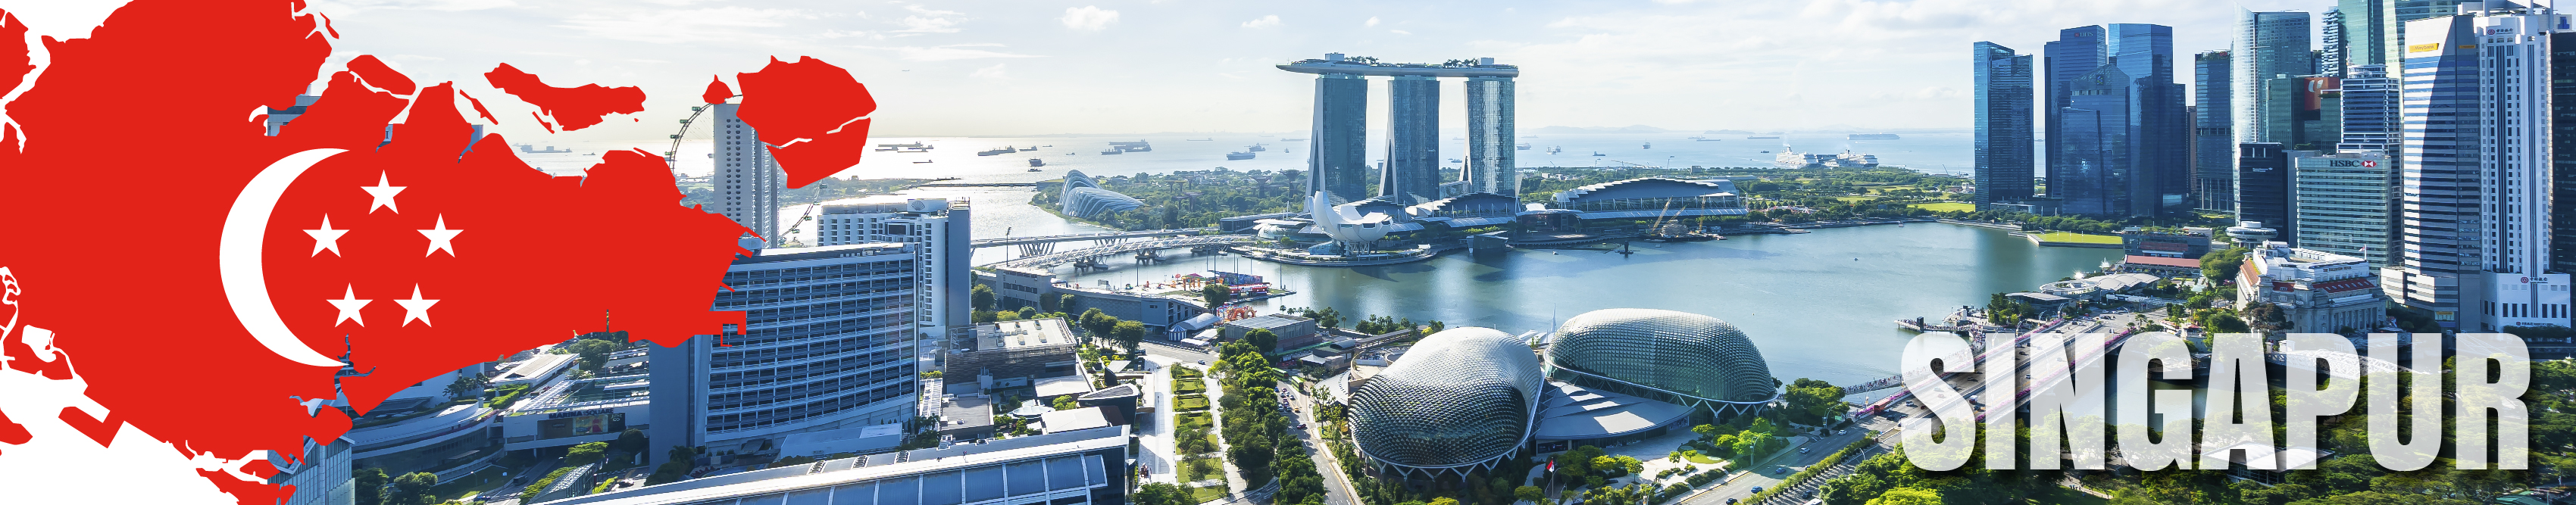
<point x="528" y="148"/>
<point x="1848" y="159"/>
<point x="1238" y="155"/>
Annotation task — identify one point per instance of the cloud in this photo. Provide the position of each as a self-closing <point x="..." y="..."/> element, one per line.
<point x="993" y="72"/>
<point x="950" y="52"/>
<point x="918" y="24"/>
<point x="687" y="25"/>
<point x="430" y="5"/>
<point x="1371" y="22"/>
<point x="1264" y="22"/>
<point x="1088" y="17"/>
<point x="1399" y="32"/>
<point x="837" y="34"/>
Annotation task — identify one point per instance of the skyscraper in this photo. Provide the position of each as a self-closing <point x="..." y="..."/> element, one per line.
<point x="2119" y="142"/>
<point x="2333" y="44"/>
<point x="2369" y="109"/>
<point x="1491" y="164"/>
<point x="2268" y="45"/>
<point x="2364" y="31"/>
<point x="2562" y="140"/>
<point x="1337" y="160"/>
<point x="939" y="228"/>
<point x="2213" y="135"/>
<point x="2004" y="129"/>
<point x="1413" y="140"/>
<point x="2303" y="112"/>
<point x="2342" y="204"/>
<point x="830" y="345"/>
<point x="2263" y="186"/>
<point x="747" y="180"/>
<point x="2475" y="218"/>
<point x="2393" y="21"/>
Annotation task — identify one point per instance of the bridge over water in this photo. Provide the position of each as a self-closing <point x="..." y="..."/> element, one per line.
<point x="1121" y="247"/>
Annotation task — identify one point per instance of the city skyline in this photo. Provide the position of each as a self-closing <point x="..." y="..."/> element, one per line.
<point x="1760" y="67"/>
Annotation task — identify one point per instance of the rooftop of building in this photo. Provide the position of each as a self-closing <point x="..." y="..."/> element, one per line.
<point x="965" y="412"/>
<point x="889" y="204"/>
<point x="1023" y="334"/>
<point x="776" y="254"/>
<point x="534" y="367"/>
<point x="1269" y="322"/>
<point x="2162" y="261"/>
<point x="824" y="474"/>
<point x="1571" y="412"/>
<point x="1649" y="187"/>
<point x="1076" y="419"/>
<point x="593" y="393"/>
<point x="1334" y="63"/>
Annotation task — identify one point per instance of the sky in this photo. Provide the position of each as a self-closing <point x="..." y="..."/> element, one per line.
<point x="1016" y="67"/>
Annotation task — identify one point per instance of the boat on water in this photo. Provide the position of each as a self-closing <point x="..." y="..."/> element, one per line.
<point x="1048" y="145"/>
<point x="997" y="151"/>
<point x="913" y="145"/>
<point x="1523" y="146"/>
<point x="1766" y="152"/>
<point x="1113" y="151"/>
<point x="1794" y="159"/>
<point x="1555" y="149"/>
<point x="1034" y="162"/>
<point x="1036" y="170"/>
<point x="1131" y="146"/>
<point x="925" y="161"/>
<point x="1598" y="153"/>
<point x="1649" y="145"/>
<point x="530" y="148"/>
<point x="1255" y="148"/>
<point x="1027" y="149"/>
<point x="1238" y="155"/>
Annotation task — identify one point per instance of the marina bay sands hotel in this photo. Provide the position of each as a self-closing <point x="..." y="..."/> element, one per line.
<point x="1337" y="162"/>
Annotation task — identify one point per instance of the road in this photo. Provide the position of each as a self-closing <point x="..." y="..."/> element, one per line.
<point x="1767" y="475"/>
<point x="1336" y="490"/>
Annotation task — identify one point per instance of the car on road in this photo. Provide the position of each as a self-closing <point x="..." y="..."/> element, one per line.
<point x="1757" y="489"/>
<point x="1803" y="450"/>
<point x="1730" y="501"/>
<point x="1839" y="432"/>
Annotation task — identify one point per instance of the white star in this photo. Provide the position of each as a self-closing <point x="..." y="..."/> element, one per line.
<point x="349" y="304"/>
<point x="440" y="238"/>
<point x="326" y="238"/>
<point x="416" y="308"/>
<point x="384" y="192"/>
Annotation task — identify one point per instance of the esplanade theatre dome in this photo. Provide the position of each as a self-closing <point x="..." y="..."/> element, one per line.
<point x="1460" y="399"/>
<point x="1678" y="357"/>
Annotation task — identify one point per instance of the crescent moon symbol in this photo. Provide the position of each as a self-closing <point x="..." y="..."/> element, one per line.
<point x="238" y="259"/>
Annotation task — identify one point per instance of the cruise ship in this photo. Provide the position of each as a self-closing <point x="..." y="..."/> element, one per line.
<point x="1794" y="159"/>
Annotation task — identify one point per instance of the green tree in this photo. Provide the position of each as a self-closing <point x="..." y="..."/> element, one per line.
<point x="1160" y="493"/>
<point x="981" y="297"/>
<point x="1216" y="294"/>
<point x="411" y="489"/>
<point x="593" y="353"/>
<point x="1098" y="323"/>
<point x="1130" y="334"/>
<point x="465" y="385"/>
<point x="585" y="454"/>
<point x="1907" y="496"/>
<point x="1262" y="339"/>
<point x="370" y="482"/>
<point x="2221" y="265"/>
<point x="1065" y="303"/>
<point x="668" y="472"/>
<point x="1064" y="403"/>
<point x="1529" y="493"/>
<point x="631" y="441"/>
<point x="1814" y="400"/>
<point x="2266" y="318"/>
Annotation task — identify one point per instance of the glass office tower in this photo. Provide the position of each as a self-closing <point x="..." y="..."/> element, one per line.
<point x="1413" y="140"/>
<point x="2213" y="162"/>
<point x="1491" y="166"/>
<point x="1337" y="162"/>
<point x="2005" y="148"/>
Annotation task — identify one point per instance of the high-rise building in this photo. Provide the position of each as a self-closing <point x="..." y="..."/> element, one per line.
<point x="830" y="345"/>
<point x="2369" y="108"/>
<point x="2268" y="45"/>
<point x="2364" y="30"/>
<point x="2119" y="142"/>
<point x="2004" y="129"/>
<point x="2263" y="186"/>
<point x="939" y="228"/>
<point x="2077" y="51"/>
<point x="2213" y="134"/>
<point x="2397" y="13"/>
<point x="2562" y="140"/>
<point x="2303" y="112"/>
<point x="1413" y="140"/>
<point x="1337" y="161"/>
<point x="2475" y="216"/>
<point x="2333" y="44"/>
<point x="2342" y="204"/>
<point x="1491" y="157"/>
<point x="747" y="180"/>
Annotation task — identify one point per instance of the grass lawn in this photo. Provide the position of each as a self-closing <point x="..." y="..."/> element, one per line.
<point x="1946" y="207"/>
<point x="483" y="481"/>
<point x="1187" y="372"/>
<point x="1190" y="402"/>
<point x="1192" y="421"/>
<point x="2079" y="238"/>
<point x="1206" y="494"/>
<point x="1699" y="458"/>
<point x="1189" y="387"/>
<point x="1194" y="470"/>
<point x="2060" y="495"/>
